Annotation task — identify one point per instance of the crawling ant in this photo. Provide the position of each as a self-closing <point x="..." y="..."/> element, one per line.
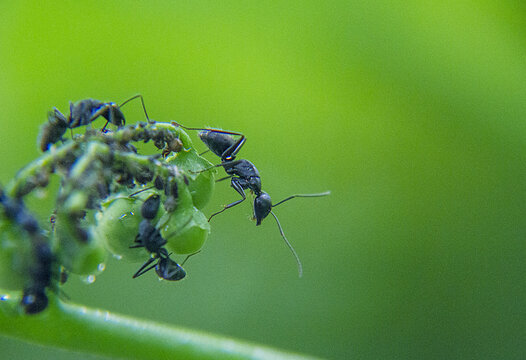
<point x="244" y="175"/>
<point x="82" y="113"/>
<point x="34" y="298"/>
<point x="150" y="238"/>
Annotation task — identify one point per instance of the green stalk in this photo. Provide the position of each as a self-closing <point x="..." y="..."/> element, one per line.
<point x="77" y="328"/>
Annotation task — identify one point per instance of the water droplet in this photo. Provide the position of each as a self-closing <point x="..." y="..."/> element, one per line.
<point x="118" y="257"/>
<point x="4" y="297"/>
<point x="40" y="193"/>
<point x="101" y="267"/>
<point x="125" y="215"/>
<point x="90" y="279"/>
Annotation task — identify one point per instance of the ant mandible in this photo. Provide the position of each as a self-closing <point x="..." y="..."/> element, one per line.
<point x="82" y="113"/>
<point x="243" y="175"/>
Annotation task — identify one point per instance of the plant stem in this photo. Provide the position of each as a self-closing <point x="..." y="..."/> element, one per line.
<point x="77" y="328"/>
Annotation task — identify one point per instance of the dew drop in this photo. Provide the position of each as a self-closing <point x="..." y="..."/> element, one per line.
<point x="4" y="297"/>
<point x="125" y="215"/>
<point x="41" y="193"/>
<point x="118" y="257"/>
<point x="90" y="279"/>
<point x="101" y="267"/>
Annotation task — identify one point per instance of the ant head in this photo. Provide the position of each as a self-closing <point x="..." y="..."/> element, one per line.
<point x="34" y="301"/>
<point x="118" y="116"/>
<point x="262" y="207"/>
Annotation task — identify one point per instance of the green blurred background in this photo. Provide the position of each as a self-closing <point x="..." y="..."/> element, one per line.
<point x="412" y="113"/>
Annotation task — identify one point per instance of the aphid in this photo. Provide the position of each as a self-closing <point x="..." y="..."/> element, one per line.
<point x="173" y="145"/>
<point x="150" y="207"/>
<point x="82" y="113"/>
<point x="244" y="175"/>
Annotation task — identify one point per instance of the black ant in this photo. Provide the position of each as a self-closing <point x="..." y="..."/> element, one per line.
<point x="244" y="175"/>
<point x="34" y="298"/>
<point x="150" y="238"/>
<point x="82" y="113"/>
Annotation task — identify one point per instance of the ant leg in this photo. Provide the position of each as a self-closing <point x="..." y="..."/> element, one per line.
<point x="226" y="163"/>
<point x="142" y="101"/>
<point x="231" y="152"/>
<point x="140" y="191"/>
<point x="102" y="110"/>
<point x="237" y="186"/>
<point x="142" y="270"/>
<point x="224" y="178"/>
<point x="57" y="115"/>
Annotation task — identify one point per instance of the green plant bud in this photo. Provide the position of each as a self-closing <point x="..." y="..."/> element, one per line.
<point x="185" y="230"/>
<point x="76" y="202"/>
<point x="15" y="257"/>
<point x="201" y="185"/>
<point x="78" y="257"/>
<point x="118" y="225"/>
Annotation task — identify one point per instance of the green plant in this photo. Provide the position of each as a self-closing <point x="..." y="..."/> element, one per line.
<point x="104" y="182"/>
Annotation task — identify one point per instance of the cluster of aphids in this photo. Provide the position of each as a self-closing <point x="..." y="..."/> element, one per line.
<point x="111" y="198"/>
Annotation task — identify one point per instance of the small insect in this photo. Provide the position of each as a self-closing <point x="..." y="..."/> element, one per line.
<point x="150" y="207"/>
<point x="34" y="298"/>
<point x="82" y="113"/>
<point x="244" y="175"/>
<point x="40" y="269"/>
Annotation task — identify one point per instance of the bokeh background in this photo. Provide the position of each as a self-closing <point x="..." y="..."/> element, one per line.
<point x="412" y="113"/>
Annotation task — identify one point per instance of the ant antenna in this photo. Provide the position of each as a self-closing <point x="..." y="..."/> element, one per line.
<point x="302" y="195"/>
<point x="300" y="267"/>
<point x="142" y="101"/>
<point x="188" y="257"/>
<point x="140" y="191"/>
